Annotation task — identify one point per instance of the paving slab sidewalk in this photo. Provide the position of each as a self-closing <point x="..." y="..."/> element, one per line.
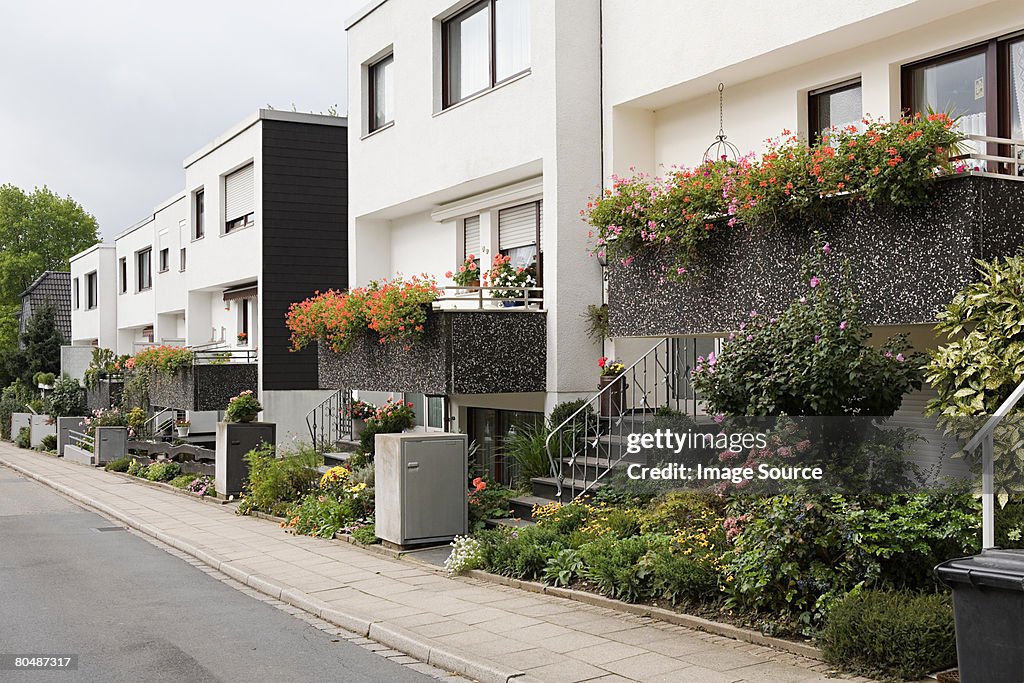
<point x="478" y="629"/>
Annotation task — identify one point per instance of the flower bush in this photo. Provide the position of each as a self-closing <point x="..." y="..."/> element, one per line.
<point x="467" y="273"/>
<point x="391" y="418"/>
<point x="503" y="274"/>
<point x="466" y="554"/>
<point x="397" y="310"/>
<point x="274" y="484"/>
<point x="610" y="367"/>
<point x="164" y="359"/>
<point x="243" y="408"/>
<point x="487" y="499"/>
<point x="361" y="410"/>
<point x="332" y="317"/>
<point x="814" y="359"/>
<point x="888" y="163"/>
<point x="344" y="502"/>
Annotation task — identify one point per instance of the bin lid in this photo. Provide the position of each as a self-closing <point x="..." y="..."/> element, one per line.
<point x="992" y="568"/>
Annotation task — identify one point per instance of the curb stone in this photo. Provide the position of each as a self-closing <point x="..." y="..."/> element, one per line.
<point x="438" y="655"/>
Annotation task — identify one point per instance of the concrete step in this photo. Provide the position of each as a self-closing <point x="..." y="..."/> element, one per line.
<point x="547" y="487"/>
<point x="522" y="506"/>
<point x="511" y="522"/>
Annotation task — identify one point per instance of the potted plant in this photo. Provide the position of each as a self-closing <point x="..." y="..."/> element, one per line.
<point x="467" y="274"/>
<point x="243" y="338"/>
<point x="502" y="274"/>
<point x="182" y="425"/>
<point x="44" y="380"/>
<point x="360" y="412"/>
<point x="243" y="408"/>
<point x="613" y="398"/>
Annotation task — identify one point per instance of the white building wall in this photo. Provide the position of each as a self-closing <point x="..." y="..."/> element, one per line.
<point x="661" y="103"/>
<point x="97" y="326"/>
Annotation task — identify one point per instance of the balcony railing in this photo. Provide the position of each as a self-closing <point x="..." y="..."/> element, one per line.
<point x="223" y="356"/>
<point x="472" y="298"/>
<point x="1001" y="158"/>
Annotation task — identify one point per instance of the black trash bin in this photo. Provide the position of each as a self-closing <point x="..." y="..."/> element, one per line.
<point x="988" y="606"/>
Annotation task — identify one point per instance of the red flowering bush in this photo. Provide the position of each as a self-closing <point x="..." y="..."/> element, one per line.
<point x="397" y="310"/>
<point x="332" y="316"/>
<point x="889" y="162"/>
<point x="466" y="274"/>
<point x="165" y="359"/>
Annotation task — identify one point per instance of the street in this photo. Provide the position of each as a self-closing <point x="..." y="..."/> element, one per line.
<point x="132" y="612"/>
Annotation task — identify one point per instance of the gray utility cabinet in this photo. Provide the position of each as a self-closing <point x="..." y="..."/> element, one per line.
<point x="420" y="487"/>
<point x="234" y="440"/>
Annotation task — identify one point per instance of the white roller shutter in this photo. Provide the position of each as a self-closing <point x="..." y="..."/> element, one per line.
<point x="517" y="226"/>
<point x="238" y="194"/>
<point x="540" y="213"/>
<point x="471" y="233"/>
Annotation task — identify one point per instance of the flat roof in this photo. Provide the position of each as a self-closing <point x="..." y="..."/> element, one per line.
<point x="86" y="252"/>
<point x="173" y="199"/>
<point x="264" y="115"/>
<point x="363" y="12"/>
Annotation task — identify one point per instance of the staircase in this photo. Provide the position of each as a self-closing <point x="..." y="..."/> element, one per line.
<point x="590" y="445"/>
<point x="330" y="427"/>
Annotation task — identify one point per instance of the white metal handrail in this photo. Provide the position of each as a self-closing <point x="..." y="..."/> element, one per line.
<point x="81" y="439"/>
<point x="985" y="437"/>
<point x="529" y="296"/>
<point x="1010" y="166"/>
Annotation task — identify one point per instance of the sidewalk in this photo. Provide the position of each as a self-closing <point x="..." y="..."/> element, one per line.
<point x="475" y="628"/>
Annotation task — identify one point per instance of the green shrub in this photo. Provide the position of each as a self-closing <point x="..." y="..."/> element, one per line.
<point x="683" y="509"/>
<point x="562" y="519"/>
<point x="67" y="398"/>
<point x="24" y="438"/>
<point x="563" y="568"/>
<point x="13" y="399"/>
<point x="49" y="442"/>
<point x="119" y="465"/>
<point x="688" y="578"/>
<point x="366" y="534"/>
<point x="488" y="500"/>
<point x="527" y="447"/>
<point x="889" y="633"/>
<point x="320" y="514"/>
<point x="274" y="483"/>
<point x="135" y="468"/>
<point x="182" y="481"/>
<point x="622" y="567"/>
<point x="162" y="471"/>
<point x="521" y="553"/>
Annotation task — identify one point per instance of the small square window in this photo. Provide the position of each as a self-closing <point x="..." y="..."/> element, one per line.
<point x="836" y="107"/>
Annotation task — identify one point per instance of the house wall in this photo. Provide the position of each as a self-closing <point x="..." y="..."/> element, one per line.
<point x="135" y="308"/>
<point x="662" y="102"/>
<point x="170" y="231"/>
<point x="99" y="325"/>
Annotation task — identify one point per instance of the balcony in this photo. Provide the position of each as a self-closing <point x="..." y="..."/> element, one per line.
<point x="213" y="378"/>
<point x="906" y="263"/>
<point x="471" y="345"/>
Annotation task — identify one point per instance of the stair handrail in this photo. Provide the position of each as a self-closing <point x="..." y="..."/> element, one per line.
<point x="985" y="437"/>
<point x="556" y="470"/>
<point x="333" y="406"/>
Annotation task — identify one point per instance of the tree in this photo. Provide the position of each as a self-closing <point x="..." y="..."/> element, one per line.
<point x="42" y="340"/>
<point x="38" y="231"/>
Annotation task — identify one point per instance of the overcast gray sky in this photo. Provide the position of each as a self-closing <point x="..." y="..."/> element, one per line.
<point x="103" y="100"/>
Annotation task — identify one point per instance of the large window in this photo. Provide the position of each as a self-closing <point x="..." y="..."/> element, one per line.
<point x="382" y="93"/>
<point x="483" y="45"/>
<point x="239" y="200"/>
<point x="981" y="85"/>
<point x="92" y="290"/>
<point x="200" y="217"/>
<point x="836" y="107"/>
<point x="144" y="269"/>
<point x="489" y="428"/>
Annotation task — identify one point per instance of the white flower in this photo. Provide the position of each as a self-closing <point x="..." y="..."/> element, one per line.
<point x="466" y="554"/>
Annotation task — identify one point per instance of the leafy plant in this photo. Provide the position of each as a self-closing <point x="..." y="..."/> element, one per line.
<point x="890" y="633"/>
<point x="243" y="408"/>
<point x="43" y="379"/>
<point x="678" y="576"/>
<point x="182" y="480"/>
<point x="467" y="273"/>
<point x="366" y="534"/>
<point x="814" y="359"/>
<point x="393" y="417"/>
<point x="162" y="471"/>
<point x="596" y="318"/>
<point x="622" y="568"/>
<point x="13" y="399"/>
<point x="503" y="274"/>
<point x="119" y="465"/>
<point x="135" y="468"/>
<point x="563" y="568"/>
<point x="319" y="514"/>
<point x="48" y="442"/>
<point x="397" y="310"/>
<point x="67" y="398"/>
<point x="274" y="484"/>
<point x="202" y="485"/>
<point x="521" y="553"/>
<point x="527" y="447"/>
<point x="24" y="438"/>
<point x="487" y="500"/>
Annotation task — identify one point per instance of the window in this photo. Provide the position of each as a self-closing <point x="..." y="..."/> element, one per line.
<point x="143" y="269"/>
<point x="519" y="231"/>
<point x="836" y="107"/>
<point x="74" y="292"/>
<point x="200" y="217"/>
<point x="489" y="428"/>
<point x="429" y="411"/>
<point x="122" y="269"/>
<point x="181" y="260"/>
<point x="165" y="260"/>
<point x="485" y="44"/>
<point x="91" y="291"/>
<point x="471" y="238"/>
<point x="238" y="199"/>
<point x="381" y="93"/>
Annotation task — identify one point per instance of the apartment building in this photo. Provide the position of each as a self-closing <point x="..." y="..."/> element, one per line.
<point x="260" y="223"/>
<point x="474" y="129"/>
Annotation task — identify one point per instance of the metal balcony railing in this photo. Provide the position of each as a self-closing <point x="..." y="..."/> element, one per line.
<point x="993" y="157"/>
<point x="466" y="297"/>
<point x="223" y="356"/>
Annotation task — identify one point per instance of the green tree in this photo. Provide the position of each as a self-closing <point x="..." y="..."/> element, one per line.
<point x="42" y="340"/>
<point x="38" y="231"/>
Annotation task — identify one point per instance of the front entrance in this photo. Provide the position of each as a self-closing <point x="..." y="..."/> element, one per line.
<point x="488" y="429"/>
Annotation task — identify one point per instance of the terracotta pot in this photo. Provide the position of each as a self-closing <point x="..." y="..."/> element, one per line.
<point x="613" y="401"/>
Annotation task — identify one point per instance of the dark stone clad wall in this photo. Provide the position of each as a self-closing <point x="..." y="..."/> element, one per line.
<point x="305" y="236"/>
<point x="461" y="353"/>
<point x="202" y="387"/>
<point x="103" y="395"/>
<point x="906" y="263"/>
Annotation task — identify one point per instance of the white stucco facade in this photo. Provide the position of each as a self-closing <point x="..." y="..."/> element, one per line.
<point x="532" y="137"/>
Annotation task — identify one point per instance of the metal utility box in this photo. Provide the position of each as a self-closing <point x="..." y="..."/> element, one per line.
<point x="234" y="440"/>
<point x="420" y="487"/>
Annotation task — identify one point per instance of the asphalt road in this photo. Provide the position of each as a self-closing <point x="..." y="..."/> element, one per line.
<point x="132" y="612"/>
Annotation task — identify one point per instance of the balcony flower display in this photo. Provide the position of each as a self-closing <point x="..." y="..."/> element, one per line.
<point x="467" y="274"/>
<point x="243" y="338"/>
<point x="164" y="359"/>
<point x="887" y="163"/>
<point x="503" y="274"/>
<point x="181" y="425"/>
<point x="332" y="317"/>
<point x="243" y="408"/>
<point x="397" y="310"/>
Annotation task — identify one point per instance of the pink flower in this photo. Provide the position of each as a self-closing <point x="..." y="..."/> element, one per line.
<point x="900" y="358"/>
<point x="815" y="282"/>
<point x="843" y="325"/>
<point x="827" y="248"/>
